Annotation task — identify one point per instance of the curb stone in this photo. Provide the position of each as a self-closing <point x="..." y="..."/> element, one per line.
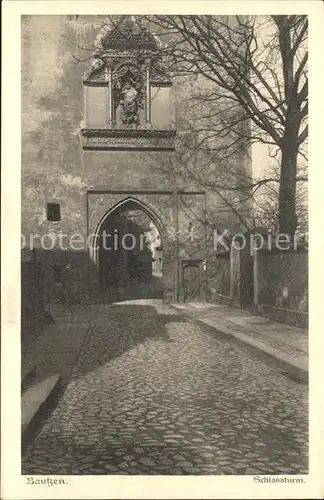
<point x="289" y="366"/>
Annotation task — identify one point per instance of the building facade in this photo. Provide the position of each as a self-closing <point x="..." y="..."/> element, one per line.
<point x="103" y="125"/>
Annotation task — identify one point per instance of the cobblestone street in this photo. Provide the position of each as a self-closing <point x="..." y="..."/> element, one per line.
<point x="151" y="393"/>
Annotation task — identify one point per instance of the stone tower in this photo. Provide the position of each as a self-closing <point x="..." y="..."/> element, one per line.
<point x="101" y="139"/>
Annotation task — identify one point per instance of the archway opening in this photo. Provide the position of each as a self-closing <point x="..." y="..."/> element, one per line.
<point x="130" y="254"/>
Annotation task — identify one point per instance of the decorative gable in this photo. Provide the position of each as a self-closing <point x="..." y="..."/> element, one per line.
<point x="129" y="35"/>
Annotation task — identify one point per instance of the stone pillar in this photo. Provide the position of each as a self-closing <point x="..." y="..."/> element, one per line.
<point x="109" y="95"/>
<point x="256" y="247"/>
<point x="234" y="275"/>
<point x="241" y="271"/>
<point x="170" y="274"/>
<point x="85" y="106"/>
<point x="256" y="285"/>
<point x="176" y="244"/>
<point x="148" y="95"/>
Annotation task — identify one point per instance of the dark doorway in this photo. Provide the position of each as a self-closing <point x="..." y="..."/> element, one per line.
<point x="130" y="254"/>
<point x="191" y="281"/>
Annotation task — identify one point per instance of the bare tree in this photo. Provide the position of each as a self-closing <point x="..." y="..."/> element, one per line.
<point x="259" y="65"/>
<point x="266" y="203"/>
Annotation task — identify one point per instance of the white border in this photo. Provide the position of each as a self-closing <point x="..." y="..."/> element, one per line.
<point x="128" y="487"/>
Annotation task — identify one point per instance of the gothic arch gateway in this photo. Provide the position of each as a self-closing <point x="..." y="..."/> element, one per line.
<point x="158" y="206"/>
<point x="127" y="237"/>
<point x="121" y="120"/>
<point x="127" y="202"/>
<point x="129" y="103"/>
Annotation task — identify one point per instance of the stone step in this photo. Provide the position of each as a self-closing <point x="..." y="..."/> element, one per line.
<point x="28" y="376"/>
<point x="36" y="400"/>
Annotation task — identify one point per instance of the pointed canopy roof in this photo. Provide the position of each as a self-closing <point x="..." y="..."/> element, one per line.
<point x="128" y="34"/>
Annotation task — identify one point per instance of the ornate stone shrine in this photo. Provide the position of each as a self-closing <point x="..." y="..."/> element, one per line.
<point x="125" y="69"/>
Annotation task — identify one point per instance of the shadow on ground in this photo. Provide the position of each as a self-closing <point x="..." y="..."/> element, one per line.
<point x="153" y="289"/>
<point x="120" y="328"/>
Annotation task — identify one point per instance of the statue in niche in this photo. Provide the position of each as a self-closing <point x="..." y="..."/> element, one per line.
<point x="129" y="105"/>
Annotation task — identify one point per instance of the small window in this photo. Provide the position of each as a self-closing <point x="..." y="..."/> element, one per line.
<point x="57" y="273"/>
<point x="53" y="212"/>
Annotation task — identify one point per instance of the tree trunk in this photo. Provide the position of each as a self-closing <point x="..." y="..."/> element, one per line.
<point x="287" y="189"/>
<point x="289" y="144"/>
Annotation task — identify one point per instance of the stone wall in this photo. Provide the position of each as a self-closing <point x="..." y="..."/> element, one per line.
<point x="32" y="292"/>
<point x="231" y="277"/>
<point x="281" y="284"/>
<point x="273" y="283"/>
